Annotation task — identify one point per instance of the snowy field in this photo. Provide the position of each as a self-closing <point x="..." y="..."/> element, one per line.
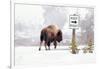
<point x="60" y="56"/>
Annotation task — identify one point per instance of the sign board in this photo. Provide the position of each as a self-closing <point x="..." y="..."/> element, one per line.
<point x="74" y="21"/>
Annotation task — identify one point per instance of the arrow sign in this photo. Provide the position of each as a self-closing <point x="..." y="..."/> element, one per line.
<point x="73" y="21"/>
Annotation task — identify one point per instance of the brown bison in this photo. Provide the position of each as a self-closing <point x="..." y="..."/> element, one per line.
<point x="50" y="34"/>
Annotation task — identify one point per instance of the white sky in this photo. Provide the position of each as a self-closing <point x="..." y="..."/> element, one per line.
<point x="32" y="16"/>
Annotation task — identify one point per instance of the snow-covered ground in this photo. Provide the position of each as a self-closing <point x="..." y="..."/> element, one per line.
<point x="60" y="56"/>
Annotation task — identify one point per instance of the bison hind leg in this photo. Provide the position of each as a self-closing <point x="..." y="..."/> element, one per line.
<point x="41" y="40"/>
<point x="40" y="45"/>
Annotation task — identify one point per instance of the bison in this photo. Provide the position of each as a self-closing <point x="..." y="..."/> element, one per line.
<point x="50" y="34"/>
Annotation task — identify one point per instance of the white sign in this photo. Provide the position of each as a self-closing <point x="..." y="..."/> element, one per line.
<point x="73" y="21"/>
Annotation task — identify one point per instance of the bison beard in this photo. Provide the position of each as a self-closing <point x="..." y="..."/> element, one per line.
<point x="50" y="34"/>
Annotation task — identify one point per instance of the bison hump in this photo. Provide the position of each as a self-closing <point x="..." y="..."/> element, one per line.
<point x="53" y="28"/>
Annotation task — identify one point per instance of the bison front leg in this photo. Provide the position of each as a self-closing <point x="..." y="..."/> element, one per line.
<point x="45" y="44"/>
<point x="48" y="45"/>
<point x="55" y="44"/>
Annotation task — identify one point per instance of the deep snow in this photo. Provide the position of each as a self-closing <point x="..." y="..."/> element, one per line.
<point x="61" y="56"/>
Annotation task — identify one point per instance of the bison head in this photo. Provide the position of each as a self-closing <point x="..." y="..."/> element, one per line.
<point x="59" y="36"/>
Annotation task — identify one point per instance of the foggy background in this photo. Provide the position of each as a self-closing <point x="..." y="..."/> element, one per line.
<point x="30" y="19"/>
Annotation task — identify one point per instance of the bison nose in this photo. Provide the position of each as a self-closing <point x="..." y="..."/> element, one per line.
<point x="59" y="40"/>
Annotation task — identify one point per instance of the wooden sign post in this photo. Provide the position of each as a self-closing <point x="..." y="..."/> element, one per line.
<point x="74" y="19"/>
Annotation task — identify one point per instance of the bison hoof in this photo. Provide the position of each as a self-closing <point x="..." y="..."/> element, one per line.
<point x="39" y="49"/>
<point x="54" y="47"/>
<point x="46" y="49"/>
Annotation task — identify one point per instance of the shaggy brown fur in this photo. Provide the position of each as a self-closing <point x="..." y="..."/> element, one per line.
<point x="50" y="34"/>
